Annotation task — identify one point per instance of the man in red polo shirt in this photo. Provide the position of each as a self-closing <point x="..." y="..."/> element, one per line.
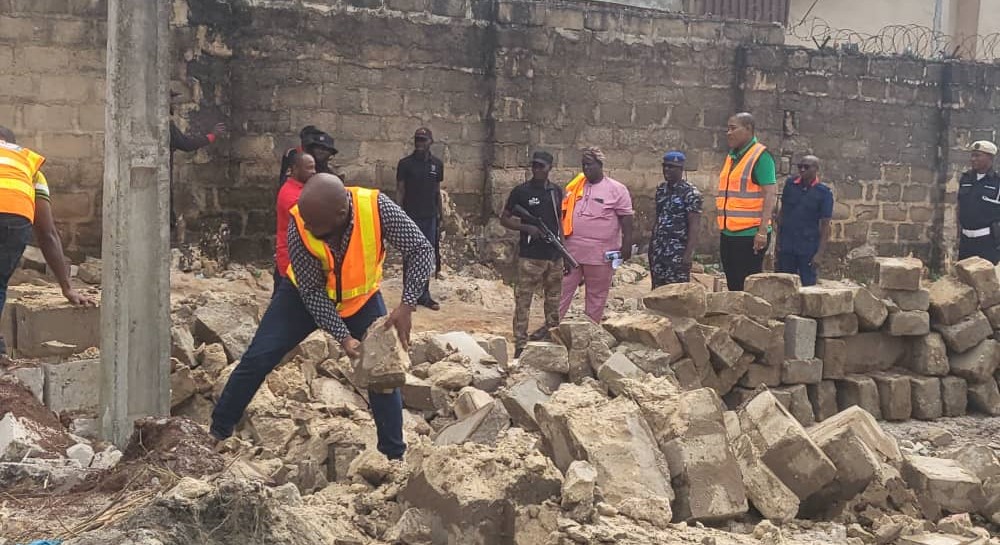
<point x="303" y="168"/>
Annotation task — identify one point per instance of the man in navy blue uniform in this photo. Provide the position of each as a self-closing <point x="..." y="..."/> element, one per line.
<point x="803" y="222"/>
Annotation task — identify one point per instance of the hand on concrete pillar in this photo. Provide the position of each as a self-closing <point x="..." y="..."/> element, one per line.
<point x="76" y="298"/>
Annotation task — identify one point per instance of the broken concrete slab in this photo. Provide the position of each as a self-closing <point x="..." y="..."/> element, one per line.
<point x="578" y="491"/>
<point x="840" y="325"/>
<point x="823" y="397"/>
<point x="496" y="346"/>
<point x="895" y="395"/>
<point x="32" y="377"/>
<point x="820" y="302"/>
<point x="909" y="323"/>
<point x="806" y="371"/>
<point x="870" y="309"/>
<point x="980" y="460"/>
<point x="449" y="374"/>
<point x="981" y="275"/>
<point x="579" y="423"/>
<point x="182" y="386"/>
<point x="231" y="325"/>
<point x="334" y="393"/>
<point x="738" y="302"/>
<point x="928" y="356"/>
<point x="182" y="346"/>
<point x="462" y="342"/>
<point x="71" y="385"/>
<point x="800" y="337"/>
<point x="781" y="290"/>
<point x="954" y="396"/>
<point x="899" y="273"/>
<point x="984" y="397"/>
<point x="482" y="426"/>
<point x="859" y="390"/>
<point x="978" y="363"/>
<point x="942" y="485"/>
<point x="520" y="400"/>
<point x="686" y="299"/>
<point x="422" y="395"/>
<point x="925" y="398"/>
<point x="616" y="370"/>
<point x="470" y="399"/>
<point x="649" y="329"/>
<point x="384" y="362"/>
<point x="965" y="334"/>
<point x="546" y="356"/>
<point x="951" y="300"/>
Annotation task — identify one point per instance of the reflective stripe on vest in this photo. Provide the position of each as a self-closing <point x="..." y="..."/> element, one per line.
<point x="361" y="271"/>
<point x="18" y="168"/>
<point x="574" y="192"/>
<point x="740" y="201"/>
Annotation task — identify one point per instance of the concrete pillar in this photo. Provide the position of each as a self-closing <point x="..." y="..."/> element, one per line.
<point x="135" y="304"/>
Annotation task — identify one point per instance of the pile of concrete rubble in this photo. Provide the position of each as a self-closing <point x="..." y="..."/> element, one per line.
<point x="724" y="409"/>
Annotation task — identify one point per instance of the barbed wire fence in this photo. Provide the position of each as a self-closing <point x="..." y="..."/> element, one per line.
<point x="914" y="41"/>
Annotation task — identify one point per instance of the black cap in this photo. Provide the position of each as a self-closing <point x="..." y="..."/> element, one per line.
<point x="423" y="133"/>
<point x="318" y="138"/>
<point x="543" y="157"/>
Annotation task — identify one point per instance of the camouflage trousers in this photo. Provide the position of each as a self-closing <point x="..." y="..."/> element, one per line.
<point x="532" y="274"/>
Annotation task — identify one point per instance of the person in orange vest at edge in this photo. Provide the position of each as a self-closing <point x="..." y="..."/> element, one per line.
<point x="25" y="207"/>
<point x="597" y="223"/>
<point x="745" y="202"/>
<point x="303" y="168"/>
<point x="336" y="250"/>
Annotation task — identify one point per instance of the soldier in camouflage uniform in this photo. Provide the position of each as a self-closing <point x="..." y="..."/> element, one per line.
<point x="675" y="231"/>
<point x="539" y="263"/>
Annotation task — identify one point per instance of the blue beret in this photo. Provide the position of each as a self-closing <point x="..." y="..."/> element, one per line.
<point x="673" y="157"/>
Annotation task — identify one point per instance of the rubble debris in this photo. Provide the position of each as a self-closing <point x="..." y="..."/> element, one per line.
<point x="384" y="362"/>
<point x="589" y="347"/>
<point x="578" y="491"/>
<point x="232" y="324"/>
<point x="942" y="485"/>
<point x="648" y="329"/>
<point x="546" y="356"/>
<point x="482" y="426"/>
<point x="520" y="400"/>
<point x="683" y="300"/>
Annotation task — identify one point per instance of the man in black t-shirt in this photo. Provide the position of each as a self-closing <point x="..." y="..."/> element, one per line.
<point x="418" y="191"/>
<point x="539" y="263"/>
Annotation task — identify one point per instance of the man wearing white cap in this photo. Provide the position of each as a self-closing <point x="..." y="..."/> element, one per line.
<point x="979" y="205"/>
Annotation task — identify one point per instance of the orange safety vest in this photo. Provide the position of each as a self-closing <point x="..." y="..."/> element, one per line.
<point x="740" y="201"/>
<point x="574" y="192"/>
<point x="18" y="167"/>
<point x="351" y="283"/>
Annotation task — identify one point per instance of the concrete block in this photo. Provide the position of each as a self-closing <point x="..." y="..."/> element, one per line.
<point x="800" y="337"/>
<point x="18" y="438"/>
<point x="873" y="351"/>
<point x="993" y="315"/>
<point x="486" y="376"/>
<point x="577" y="494"/>
<point x="751" y="335"/>
<point x="775" y="353"/>
<point x="72" y="385"/>
<point x="384" y="362"/>
<point x="464" y="343"/>
<point x="649" y="329"/>
<point x="804" y="371"/>
<point x="820" y="302"/>
<point x="182" y="346"/>
<point x="925" y="398"/>
<point x="833" y="352"/>
<point x="757" y="374"/>
<point x="44" y="320"/>
<point x="738" y="302"/>
<point x="690" y="429"/>
<point x="520" y="401"/>
<point x="723" y="350"/>
<point x="546" y="356"/>
<point x="687" y="300"/>
<point x="693" y="341"/>
<point x="981" y="275"/>
<point x="422" y="395"/>
<point x="768" y="494"/>
<point x="823" y="397"/>
<point x="951" y="300"/>
<point x="965" y="334"/>
<point x="909" y="300"/>
<point x="615" y="370"/>
<point x="978" y="363"/>
<point x="781" y="290"/>
<point x="980" y="460"/>
<point x="899" y="273"/>
<point x="954" y="396"/>
<point x="942" y="485"/>
<point x="870" y="309"/>
<point x="496" y="346"/>
<point x="482" y="426"/>
<point x="226" y="323"/>
<point x="799" y="405"/>
<point x="841" y="325"/>
<point x="579" y="423"/>
<point x="33" y="378"/>
<point x="589" y="347"/>
<point x="730" y="376"/>
<point x="984" y="397"/>
<point x="928" y="356"/>
<point x="859" y="390"/>
<point x="784" y="446"/>
<point x="895" y="396"/>
<point x="909" y="323"/>
<point x="470" y="399"/>
<point x="686" y="373"/>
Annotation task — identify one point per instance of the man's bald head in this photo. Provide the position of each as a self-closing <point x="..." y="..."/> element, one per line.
<point x="304" y="167"/>
<point x="7" y="134"/>
<point x="324" y="205"/>
<point x="739" y="130"/>
<point x="808" y="167"/>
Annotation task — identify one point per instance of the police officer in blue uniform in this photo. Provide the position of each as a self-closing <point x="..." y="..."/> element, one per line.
<point x="803" y="221"/>
<point x="979" y="205"/>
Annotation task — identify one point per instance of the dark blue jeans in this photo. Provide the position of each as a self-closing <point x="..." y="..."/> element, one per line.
<point x="429" y="227"/>
<point x="286" y="323"/>
<point x="15" y="233"/>
<point x="797" y="264"/>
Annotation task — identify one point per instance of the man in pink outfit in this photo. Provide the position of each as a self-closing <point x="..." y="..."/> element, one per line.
<point x="597" y="218"/>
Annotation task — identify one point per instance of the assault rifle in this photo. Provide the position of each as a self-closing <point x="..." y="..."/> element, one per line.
<point x="547" y="235"/>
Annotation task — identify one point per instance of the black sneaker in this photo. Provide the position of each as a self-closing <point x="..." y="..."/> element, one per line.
<point x="541" y="334"/>
<point x="517" y="352"/>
